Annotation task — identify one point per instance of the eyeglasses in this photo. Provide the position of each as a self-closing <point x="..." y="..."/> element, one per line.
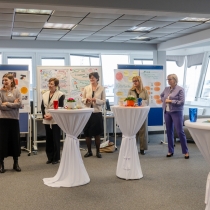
<point x="135" y="80"/>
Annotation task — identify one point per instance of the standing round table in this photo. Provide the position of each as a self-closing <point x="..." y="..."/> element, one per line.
<point x="71" y="171"/>
<point x="200" y="131"/>
<point x="130" y="120"/>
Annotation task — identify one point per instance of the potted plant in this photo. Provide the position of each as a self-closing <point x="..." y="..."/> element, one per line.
<point x="71" y="103"/>
<point x="130" y="100"/>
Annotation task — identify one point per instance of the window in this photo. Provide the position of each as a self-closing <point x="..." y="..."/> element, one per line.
<point x="0" y="58"/>
<point x="143" y="62"/>
<point x="172" y="68"/>
<point x="53" y="62"/>
<point x="22" y="61"/>
<point x="109" y="63"/>
<point x="206" y="86"/>
<point x="85" y="60"/>
<point x="191" y="83"/>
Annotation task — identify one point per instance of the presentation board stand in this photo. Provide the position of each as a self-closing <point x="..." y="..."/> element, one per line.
<point x="72" y="80"/>
<point x="153" y="80"/>
<point x="22" y="80"/>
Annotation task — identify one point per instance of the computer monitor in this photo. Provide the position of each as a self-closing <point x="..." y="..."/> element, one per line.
<point x="107" y="105"/>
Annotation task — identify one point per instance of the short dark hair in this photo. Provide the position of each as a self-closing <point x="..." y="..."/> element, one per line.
<point x="55" y="80"/>
<point x="94" y="74"/>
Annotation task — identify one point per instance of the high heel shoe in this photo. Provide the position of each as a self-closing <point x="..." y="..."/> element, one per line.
<point x="98" y="155"/>
<point x="2" y="170"/>
<point x="186" y="156"/>
<point x="16" y="167"/>
<point x="169" y="154"/>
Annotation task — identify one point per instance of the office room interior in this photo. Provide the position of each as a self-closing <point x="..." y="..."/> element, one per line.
<point x="105" y="34"/>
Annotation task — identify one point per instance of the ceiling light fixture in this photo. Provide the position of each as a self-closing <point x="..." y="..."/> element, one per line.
<point x="141" y="29"/>
<point x="143" y="38"/>
<point x="193" y="19"/>
<point x="58" y="26"/>
<point x="24" y="34"/>
<point x="34" y="11"/>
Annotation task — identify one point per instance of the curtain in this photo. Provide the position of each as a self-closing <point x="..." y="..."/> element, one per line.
<point x="179" y="59"/>
<point x="194" y="60"/>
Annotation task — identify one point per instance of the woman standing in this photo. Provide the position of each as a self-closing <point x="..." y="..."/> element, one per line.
<point x="140" y="92"/>
<point x="53" y="132"/>
<point x="10" y="102"/>
<point x="173" y="98"/>
<point x="94" y="96"/>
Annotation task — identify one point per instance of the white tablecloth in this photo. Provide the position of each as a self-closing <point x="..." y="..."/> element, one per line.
<point x="130" y="120"/>
<point x="71" y="171"/>
<point x="200" y="131"/>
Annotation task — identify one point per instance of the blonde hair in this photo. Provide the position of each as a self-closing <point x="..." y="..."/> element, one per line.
<point x="174" y="76"/>
<point x="140" y="83"/>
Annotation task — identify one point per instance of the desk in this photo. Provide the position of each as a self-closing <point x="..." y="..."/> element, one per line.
<point x="200" y="132"/>
<point x="71" y="171"/>
<point x="130" y="120"/>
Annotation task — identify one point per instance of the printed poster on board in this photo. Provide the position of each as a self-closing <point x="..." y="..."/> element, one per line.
<point x="22" y="82"/>
<point x="123" y="82"/>
<point x="153" y="82"/>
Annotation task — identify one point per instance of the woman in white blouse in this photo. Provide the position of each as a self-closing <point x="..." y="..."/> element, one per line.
<point x="94" y="96"/>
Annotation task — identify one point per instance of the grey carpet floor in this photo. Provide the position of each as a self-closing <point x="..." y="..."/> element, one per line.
<point x="168" y="183"/>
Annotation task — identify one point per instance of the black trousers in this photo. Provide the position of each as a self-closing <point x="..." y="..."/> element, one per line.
<point x="53" y="142"/>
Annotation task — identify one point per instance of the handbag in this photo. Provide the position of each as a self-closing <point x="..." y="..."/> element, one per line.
<point x="109" y="148"/>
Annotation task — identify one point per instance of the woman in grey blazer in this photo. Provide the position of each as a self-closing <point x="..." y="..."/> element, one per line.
<point x="140" y="92"/>
<point x="173" y="98"/>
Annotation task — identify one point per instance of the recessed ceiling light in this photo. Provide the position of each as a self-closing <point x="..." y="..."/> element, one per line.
<point x="143" y="38"/>
<point x="23" y="34"/>
<point x="193" y="19"/>
<point x="141" y="29"/>
<point x="58" y="26"/>
<point x="33" y="11"/>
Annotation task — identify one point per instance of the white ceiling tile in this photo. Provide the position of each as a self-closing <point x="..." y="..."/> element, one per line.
<point x="47" y="38"/>
<point x="120" y="38"/>
<point x="96" y="21"/>
<point x="167" y="30"/>
<point x="69" y="13"/>
<point x="155" y="24"/>
<point x="70" y="39"/>
<point x="26" y="30"/>
<point x="117" y="41"/>
<point x="50" y="35"/>
<point x="202" y="26"/>
<point x="5" y="33"/>
<point x="129" y="23"/>
<point x="5" y="37"/>
<point x="136" y="17"/>
<point x="23" y="38"/>
<point x="8" y="17"/>
<point x="126" y="37"/>
<point x="167" y="18"/>
<point x="67" y="36"/>
<point x="115" y="29"/>
<point x="183" y="25"/>
<point x="6" y="23"/>
<point x="28" y="25"/>
<point x="103" y="15"/>
<point x="136" y="41"/>
<point x="6" y="10"/>
<point x="100" y="38"/>
<point x="106" y="33"/>
<point x="88" y="28"/>
<point x="54" y="31"/>
<point x="87" y="40"/>
<point x="73" y="32"/>
<point x="131" y="34"/>
<point x="64" y="20"/>
<point x="31" y="18"/>
<point x="5" y="29"/>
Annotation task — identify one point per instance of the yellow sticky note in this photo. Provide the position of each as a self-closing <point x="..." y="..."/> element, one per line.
<point x="126" y="73"/>
<point x="119" y="93"/>
<point x="130" y="79"/>
<point x="135" y="73"/>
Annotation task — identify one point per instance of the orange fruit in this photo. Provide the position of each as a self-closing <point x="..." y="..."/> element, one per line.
<point x="158" y="101"/>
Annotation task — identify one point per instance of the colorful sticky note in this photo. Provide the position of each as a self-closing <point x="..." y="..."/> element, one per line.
<point x="135" y="73"/>
<point x="126" y="73"/>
